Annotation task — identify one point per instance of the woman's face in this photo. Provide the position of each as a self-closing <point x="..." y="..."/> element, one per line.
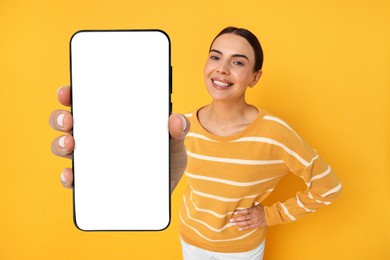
<point x="229" y="68"/>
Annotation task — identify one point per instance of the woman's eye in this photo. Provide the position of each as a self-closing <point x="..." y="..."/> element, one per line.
<point x="214" y="57"/>
<point x="239" y="63"/>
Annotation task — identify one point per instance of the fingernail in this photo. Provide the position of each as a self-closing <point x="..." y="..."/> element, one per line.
<point x="63" y="179"/>
<point x="231" y="220"/>
<point x="60" y="120"/>
<point x="184" y="123"/>
<point x="61" y="141"/>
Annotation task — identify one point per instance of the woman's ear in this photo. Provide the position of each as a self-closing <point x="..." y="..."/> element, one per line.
<point x="256" y="78"/>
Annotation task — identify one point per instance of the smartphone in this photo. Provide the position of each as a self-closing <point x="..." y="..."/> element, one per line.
<point x="121" y="101"/>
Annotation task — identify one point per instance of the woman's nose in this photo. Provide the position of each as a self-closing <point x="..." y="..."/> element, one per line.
<point x="223" y="68"/>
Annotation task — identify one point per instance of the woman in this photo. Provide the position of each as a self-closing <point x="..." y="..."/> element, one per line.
<point x="237" y="153"/>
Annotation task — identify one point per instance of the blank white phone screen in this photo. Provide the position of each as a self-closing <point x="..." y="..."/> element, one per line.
<point x="120" y="83"/>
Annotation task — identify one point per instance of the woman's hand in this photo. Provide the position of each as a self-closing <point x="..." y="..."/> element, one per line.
<point x="63" y="145"/>
<point x="250" y="218"/>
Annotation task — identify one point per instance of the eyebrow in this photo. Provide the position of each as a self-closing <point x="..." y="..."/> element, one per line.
<point x="234" y="55"/>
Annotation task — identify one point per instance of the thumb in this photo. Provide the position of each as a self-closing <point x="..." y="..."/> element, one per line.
<point x="178" y="127"/>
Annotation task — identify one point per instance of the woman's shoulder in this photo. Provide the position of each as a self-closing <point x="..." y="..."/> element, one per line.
<point x="273" y="124"/>
<point x="273" y="120"/>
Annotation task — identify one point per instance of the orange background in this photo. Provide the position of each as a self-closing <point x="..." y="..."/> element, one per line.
<point x="326" y="72"/>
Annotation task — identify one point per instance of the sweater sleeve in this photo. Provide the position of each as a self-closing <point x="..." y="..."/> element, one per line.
<point x="322" y="185"/>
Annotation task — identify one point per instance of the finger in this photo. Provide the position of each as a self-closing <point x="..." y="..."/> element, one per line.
<point x="63" y="95"/>
<point x="63" y="146"/>
<point x="67" y="178"/>
<point x="61" y="120"/>
<point x="241" y="219"/>
<point x="243" y="225"/>
<point x="244" y="222"/>
<point x="240" y="215"/>
<point x="242" y="211"/>
<point x="250" y="226"/>
<point x="178" y="126"/>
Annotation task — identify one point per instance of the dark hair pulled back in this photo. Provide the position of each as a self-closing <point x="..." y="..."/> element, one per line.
<point x="252" y="40"/>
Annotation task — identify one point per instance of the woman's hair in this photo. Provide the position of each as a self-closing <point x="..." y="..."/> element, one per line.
<point x="252" y="40"/>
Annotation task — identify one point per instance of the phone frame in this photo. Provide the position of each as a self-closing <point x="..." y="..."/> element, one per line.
<point x="169" y="104"/>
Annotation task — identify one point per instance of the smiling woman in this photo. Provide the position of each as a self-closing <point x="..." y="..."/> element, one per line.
<point x="237" y="154"/>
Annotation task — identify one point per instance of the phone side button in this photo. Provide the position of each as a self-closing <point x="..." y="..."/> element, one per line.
<point x="170" y="79"/>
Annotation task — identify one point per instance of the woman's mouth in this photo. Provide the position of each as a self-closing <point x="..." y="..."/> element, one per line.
<point x="221" y="84"/>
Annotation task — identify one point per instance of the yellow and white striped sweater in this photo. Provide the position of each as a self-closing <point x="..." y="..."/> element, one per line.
<point x="239" y="171"/>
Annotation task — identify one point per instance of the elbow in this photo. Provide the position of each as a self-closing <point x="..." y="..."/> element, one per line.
<point x="333" y="193"/>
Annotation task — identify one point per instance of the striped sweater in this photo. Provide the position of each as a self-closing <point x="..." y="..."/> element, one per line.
<point x="239" y="171"/>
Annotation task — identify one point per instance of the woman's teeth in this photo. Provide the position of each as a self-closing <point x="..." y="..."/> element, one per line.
<point x="221" y="84"/>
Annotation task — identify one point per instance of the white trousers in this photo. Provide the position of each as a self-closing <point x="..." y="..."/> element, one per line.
<point x="195" y="253"/>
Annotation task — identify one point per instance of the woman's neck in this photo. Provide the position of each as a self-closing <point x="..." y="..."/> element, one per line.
<point x="226" y="113"/>
<point x="225" y="119"/>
